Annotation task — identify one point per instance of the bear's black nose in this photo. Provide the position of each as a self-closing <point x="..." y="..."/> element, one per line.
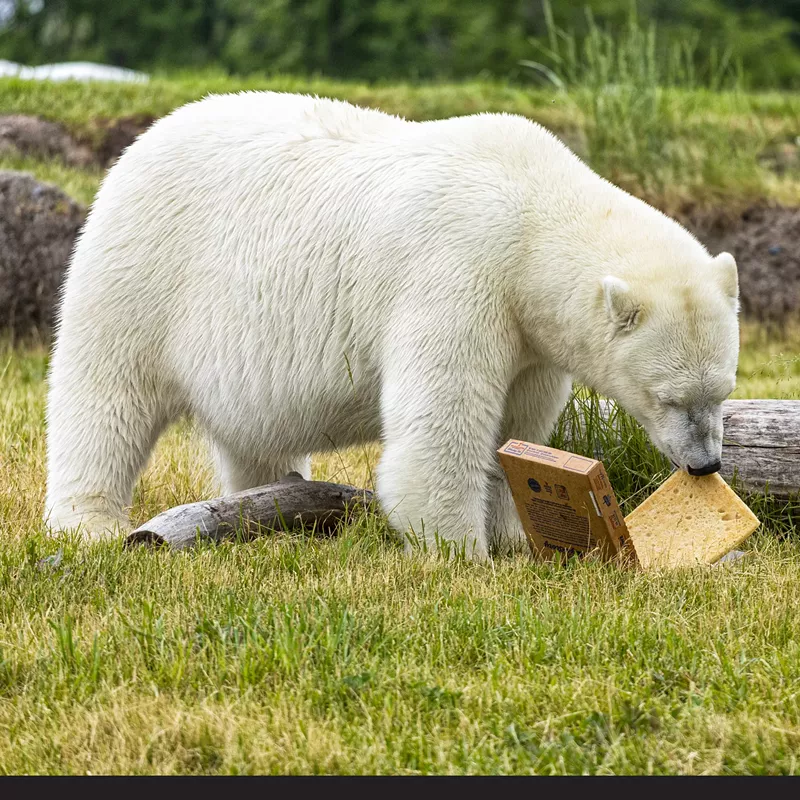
<point x="706" y="470"/>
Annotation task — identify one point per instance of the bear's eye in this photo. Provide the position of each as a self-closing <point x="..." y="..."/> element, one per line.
<point x="669" y="402"/>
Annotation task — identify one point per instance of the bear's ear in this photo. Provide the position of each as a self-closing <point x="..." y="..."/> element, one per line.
<point x="621" y="307"/>
<point x="727" y="275"/>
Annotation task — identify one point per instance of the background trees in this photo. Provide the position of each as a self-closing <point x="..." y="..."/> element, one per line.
<point x="384" y="39"/>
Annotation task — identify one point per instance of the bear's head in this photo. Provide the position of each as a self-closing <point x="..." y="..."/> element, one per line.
<point x="673" y="349"/>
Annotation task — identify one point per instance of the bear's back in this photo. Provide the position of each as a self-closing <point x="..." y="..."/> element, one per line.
<point x="295" y="116"/>
<point x="251" y="118"/>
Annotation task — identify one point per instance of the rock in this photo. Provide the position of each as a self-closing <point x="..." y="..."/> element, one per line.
<point x="42" y="139"/>
<point x="38" y="226"/>
<point x="38" y="137"/>
<point x="765" y="240"/>
<point x="117" y="134"/>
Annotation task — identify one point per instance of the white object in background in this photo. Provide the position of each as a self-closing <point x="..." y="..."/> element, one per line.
<point x="9" y="68"/>
<point x="72" y="71"/>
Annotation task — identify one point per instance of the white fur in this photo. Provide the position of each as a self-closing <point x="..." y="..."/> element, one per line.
<point x="299" y="273"/>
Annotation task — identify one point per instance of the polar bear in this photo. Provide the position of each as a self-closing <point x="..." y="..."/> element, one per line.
<point x="298" y="273"/>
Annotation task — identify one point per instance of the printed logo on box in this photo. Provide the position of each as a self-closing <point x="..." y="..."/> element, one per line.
<point x="534" y="484"/>
<point x="516" y="448"/>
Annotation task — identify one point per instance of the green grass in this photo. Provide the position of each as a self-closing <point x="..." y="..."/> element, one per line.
<point x="769" y="367"/>
<point x="675" y="147"/>
<point x="294" y="654"/>
<point x="298" y="655"/>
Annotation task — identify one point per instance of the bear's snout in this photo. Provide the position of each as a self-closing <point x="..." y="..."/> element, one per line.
<point x="707" y="469"/>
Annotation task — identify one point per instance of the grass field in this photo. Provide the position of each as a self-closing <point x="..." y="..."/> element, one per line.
<point x="675" y="147"/>
<point x="294" y="654"/>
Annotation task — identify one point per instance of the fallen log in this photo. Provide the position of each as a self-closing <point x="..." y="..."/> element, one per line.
<point x="760" y="444"/>
<point x="289" y="504"/>
<point x="761" y="447"/>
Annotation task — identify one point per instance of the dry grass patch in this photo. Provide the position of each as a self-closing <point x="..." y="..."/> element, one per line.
<point x="293" y="654"/>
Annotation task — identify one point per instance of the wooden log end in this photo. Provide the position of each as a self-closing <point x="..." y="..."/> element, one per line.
<point x="145" y="537"/>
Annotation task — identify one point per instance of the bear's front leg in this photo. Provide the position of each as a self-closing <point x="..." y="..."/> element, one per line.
<point x="535" y="399"/>
<point x="440" y="427"/>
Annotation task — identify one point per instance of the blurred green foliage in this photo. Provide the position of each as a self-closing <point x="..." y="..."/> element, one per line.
<point x="379" y="40"/>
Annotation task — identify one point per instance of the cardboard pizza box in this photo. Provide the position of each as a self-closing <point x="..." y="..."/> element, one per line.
<point x="565" y="502"/>
<point x="567" y="505"/>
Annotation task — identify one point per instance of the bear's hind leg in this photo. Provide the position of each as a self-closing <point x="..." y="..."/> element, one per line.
<point x="103" y="420"/>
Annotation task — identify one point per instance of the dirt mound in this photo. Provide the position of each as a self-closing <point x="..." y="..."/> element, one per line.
<point x="766" y="244"/>
<point x="117" y="134"/>
<point x="38" y="225"/>
<point x="37" y="137"/>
